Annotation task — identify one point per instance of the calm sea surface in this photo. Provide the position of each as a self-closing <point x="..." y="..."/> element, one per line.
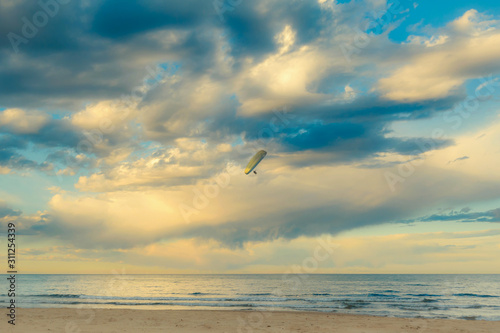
<point x="430" y="296"/>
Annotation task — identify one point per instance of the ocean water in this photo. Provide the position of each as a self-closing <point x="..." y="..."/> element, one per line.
<point x="427" y="296"/>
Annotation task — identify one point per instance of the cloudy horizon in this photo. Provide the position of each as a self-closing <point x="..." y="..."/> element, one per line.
<point x="125" y="128"/>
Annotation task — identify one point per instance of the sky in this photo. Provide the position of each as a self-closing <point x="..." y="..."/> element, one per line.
<point x="125" y="127"/>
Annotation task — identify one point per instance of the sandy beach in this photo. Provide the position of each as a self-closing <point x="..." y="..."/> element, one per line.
<point x="118" y="320"/>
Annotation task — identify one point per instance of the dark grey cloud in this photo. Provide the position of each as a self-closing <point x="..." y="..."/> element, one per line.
<point x="331" y="219"/>
<point x="464" y="215"/>
<point x="54" y="134"/>
<point x="67" y="62"/>
<point x="313" y="221"/>
<point x="67" y="158"/>
<point x="350" y="141"/>
<point x="289" y="224"/>
<point x="7" y="211"/>
<point x="449" y="188"/>
<point x="57" y="133"/>
<point x="119" y="19"/>
<point x="359" y="139"/>
<point x="459" y="159"/>
<point x="9" y="141"/>
<point x="88" y="52"/>
<point x="14" y="160"/>
<point x="10" y="156"/>
<point x="371" y="107"/>
<point x="25" y="225"/>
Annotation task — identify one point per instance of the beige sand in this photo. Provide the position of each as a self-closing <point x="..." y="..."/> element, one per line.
<point x="116" y="320"/>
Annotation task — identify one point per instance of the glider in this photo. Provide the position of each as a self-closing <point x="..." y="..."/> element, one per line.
<point x="255" y="161"/>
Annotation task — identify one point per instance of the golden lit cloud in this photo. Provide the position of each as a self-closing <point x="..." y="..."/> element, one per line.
<point x="437" y="71"/>
<point x="23" y="122"/>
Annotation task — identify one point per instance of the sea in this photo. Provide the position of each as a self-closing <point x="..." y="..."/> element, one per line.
<point x="471" y="297"/>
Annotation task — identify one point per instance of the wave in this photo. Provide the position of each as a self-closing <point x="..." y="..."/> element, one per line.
<point x="265" y="297"/>
<point x="382" y="295"/>
<point x="203" y="299"/>
<point x="380" y="302"/>
<point x="355" y="304"/>
<point x="412" y="296"/>
<point x="195" y="304"/>
<point x="56" y="295"/>
<point x="417" y="285"/>
<point x="475" y="295"/>
<point x="429" y="300"/>
<point x="408" y="307"/>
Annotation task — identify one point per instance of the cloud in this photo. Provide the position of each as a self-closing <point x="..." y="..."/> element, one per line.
<point x="160" y="169"/>
<point x="266" y="76"/>
<point x="440" y="66"/>
<point x="478" y="146"/>
<point x="347" y="138"/>
<point x="6" y="211"/>
<point x="486" y="216"/>
<point x="22" y="127"/>
<point x="129" y="219"/>
<point x="225" y="91"/>
<point x="416" y="252"/>
<point x="459" y="159"/>
<point x="25" y="224"/>
<point x="101" y="130"/>
<point x="22" y="122"/>
<point x="292" y="202"/>
<point x="11" y="159"/>
<point x="110" y="19"/>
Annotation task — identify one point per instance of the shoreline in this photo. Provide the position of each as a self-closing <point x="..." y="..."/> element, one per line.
<point x="135" y="320"/>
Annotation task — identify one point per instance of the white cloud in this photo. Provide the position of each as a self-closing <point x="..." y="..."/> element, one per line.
<point x="23" y="122"/>
<point x="467" y="48"/>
